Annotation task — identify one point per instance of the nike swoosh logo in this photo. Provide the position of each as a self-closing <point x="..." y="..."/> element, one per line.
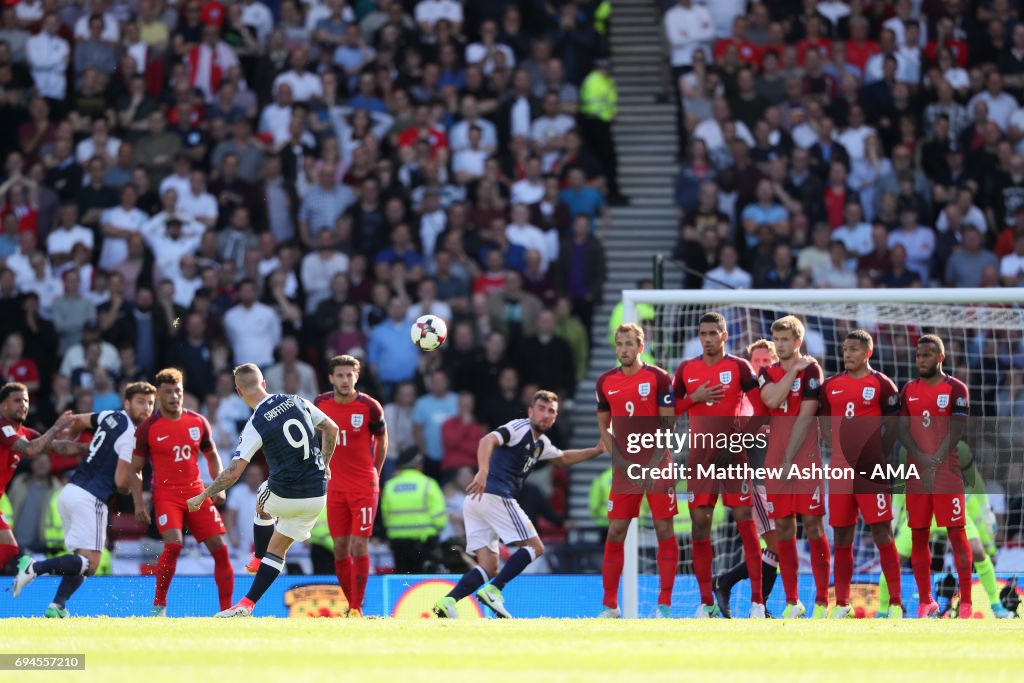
<point x="743" y="498"/>
<point x="834" y="392"/>
<point x="364" y="528"/>
<point x="614" y="392"/>
<point x="695" y="379"/>
<point x="161" y="438"/>
<point x="955" y="519"/>
<point x="912" y="398"/>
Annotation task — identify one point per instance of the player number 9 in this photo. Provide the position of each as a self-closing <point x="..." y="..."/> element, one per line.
<point x="303" y="440"/>
<point x="630" y="408"/>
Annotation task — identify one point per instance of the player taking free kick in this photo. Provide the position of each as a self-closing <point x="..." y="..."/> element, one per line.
<point x="626" y="395"/>
<point x="295" y="491"/>
<point x="173" y="438"/>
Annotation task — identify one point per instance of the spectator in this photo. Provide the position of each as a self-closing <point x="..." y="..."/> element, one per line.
<point x="48" y="57"/>
<point x="194" y="356"/>
<point x="460" y="436"/>
<point x="288" y="354"/>
<point x="598" y="110"/>
<point x="502" y="405"/>
<point x="71" y="312"/>
<point x="398" y="416"/>
<point x="33" y="496"/>
<point x="1011" y="266"/>
<point x="428" y="415"/>
<point x="899" y="275"/>
<point x="319" y="269"/>
<point x="837" y="274"/>
<point x="967" y="263"/>
<point x="391" y="357"/>
<point x="728" y="275"/>
<point x="253" y="328"/>
<point x="546" y="359"/>
<point x="918" y="241"/>
<point x="14" y="367"/>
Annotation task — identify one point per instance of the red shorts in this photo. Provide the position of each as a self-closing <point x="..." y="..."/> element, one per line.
<point x="948" y="509"/>
<point x="732" y="500"/>
<point x="788" y="504"/>
<point x="627" y="505"/>
<point x="704" y="492"/>
<point x="874" y="507"/>
<point x="172" y="512"/>
<point x="351" y="514"/>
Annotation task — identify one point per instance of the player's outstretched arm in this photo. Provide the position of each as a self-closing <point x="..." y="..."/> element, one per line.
<point x="578" y="455"/>
<point x="31" y="449"/>
<point x="483" y="458"/>
<point x="69" y="448"/>
<point x="225" y="480"/>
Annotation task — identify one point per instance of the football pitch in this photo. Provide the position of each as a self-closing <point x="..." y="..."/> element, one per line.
<point x="243" y="650"/>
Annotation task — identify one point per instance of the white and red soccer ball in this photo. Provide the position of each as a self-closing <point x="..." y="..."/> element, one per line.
<point x="429" y="332"/>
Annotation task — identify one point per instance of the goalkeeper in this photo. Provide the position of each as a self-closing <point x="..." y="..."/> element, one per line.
<point x="980" y="527"/>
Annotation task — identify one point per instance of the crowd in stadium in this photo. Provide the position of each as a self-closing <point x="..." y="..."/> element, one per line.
<point x="199" y="184"/>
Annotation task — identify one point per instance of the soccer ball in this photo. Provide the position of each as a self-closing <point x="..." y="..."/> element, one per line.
<point x="428" y="332"/>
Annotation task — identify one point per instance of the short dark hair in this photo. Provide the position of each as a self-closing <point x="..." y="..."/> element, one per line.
<point x="933" y="339"/>
<point x="169" y="376"/>
<point x="715" y="318"/>
<point x="344" y="360"/>
<point x="862" y="336"/>
<point x="543" y="395"/>
<point x="136" y="388"/>
<point x="11" y="388"/>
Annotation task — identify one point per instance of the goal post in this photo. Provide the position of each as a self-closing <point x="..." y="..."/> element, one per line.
<point x="982" y="326"/>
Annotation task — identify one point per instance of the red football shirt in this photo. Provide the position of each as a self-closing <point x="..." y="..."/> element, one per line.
<point x="857" y="405"/>
<point x="929" y="410"/>
<point x="10" y="432"/>
<point x="806" y="387"/>
<point x="174" y="446"/>
<point x="732" y="371"/>
<point x="353" y="466"/>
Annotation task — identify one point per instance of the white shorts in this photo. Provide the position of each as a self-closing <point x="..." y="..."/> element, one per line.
<point x="492" y="518"/>
<point x="296" y="517"/>
<point x="762" y="519"/>
<point x="84" y="517"/>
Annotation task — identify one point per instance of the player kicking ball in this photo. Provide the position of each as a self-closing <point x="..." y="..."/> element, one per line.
<point x="82" y="504"/>
<point x="934" y="409"/>
<point x="630" y="400"/>
<point x="506" y="456"/>
<point x="173" y="438"/>
<point x="791" y="389"/>
<point x="862" y="403"/>
<point x="710" y="388"/>
<point x="296" y="489"/>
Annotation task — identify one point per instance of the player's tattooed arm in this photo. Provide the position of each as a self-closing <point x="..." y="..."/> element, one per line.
<point x="31" y="449"/>
<point x="330" y="439"/>
<point x="228" y="476"/>
<point x="69" y="448"/>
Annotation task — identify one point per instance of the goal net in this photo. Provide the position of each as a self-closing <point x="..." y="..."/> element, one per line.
<point x="984" y="334"/>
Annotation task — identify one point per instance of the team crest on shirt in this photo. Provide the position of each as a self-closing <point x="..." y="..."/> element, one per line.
<point x="357" y="420"/>
<point x="943" y="400"/>
<point x="193" y="433"/>
<point x="796" y="386"/>
<point x="9" y="431"/>
<point x="868" y="393"/>
<point x="725" y="377"/>
<point x="645" y="389"/>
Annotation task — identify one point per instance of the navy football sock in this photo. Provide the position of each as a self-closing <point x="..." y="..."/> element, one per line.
<point x="62" y="565"/>
<point x="469" y="582"/>
<point x="519" y="561"/>
<point x="67" y="587"/>
<point x="269" y="570"/>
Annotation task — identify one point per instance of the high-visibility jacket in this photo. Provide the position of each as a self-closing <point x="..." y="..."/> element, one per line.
<point x="412" y="506"/>
<point x="321" y="534"/>
<point x="601" y="16"/>
<point x="600" y="492"/>
<point x="599" y="97"/>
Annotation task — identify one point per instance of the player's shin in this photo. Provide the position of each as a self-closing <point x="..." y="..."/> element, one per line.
<point x="752" y="556"/>
<point x="360" y="575"/>
<point x="270" y="569"/>
<point x="702" y="558"/>
<point x="262" y="532"/>
<point x="890" y="561"/>
<point x="166" y="564"/>
<point x="821" y="566"/>
<point x="224" y="576"/>
<point x="611" y="572"/>
<point x="67" y="587"/>
<point x="343" y="570"/>
<point x="962" y="558"/>
<point x="515" y="565"/>
<point x="769" y="572"/>
<point x="668" y="564"/>
<point x="63" y="565"/>
<point x="844" y="574"/>
<point x="469" y="582"/>
<point x="921" y="563"/>
<point x="789" y="563"/>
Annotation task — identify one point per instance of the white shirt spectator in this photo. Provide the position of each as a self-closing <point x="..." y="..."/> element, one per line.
<point x="531" y="237"/>
<point x="1011" y="265"/>
<point x="737" y="278"/>
<point x="317" y="273"/>
<point x="167" y="251"/>
<point x="912" y="59"/>
<point x="710" y="132"/>
<point x="526" y="192"/>
<point x="458" y="135"/>
<point x="86" y="149"/>
<point x="689" y="29"/>
<point x="179" y="183"/>
<point x="919" y="243"/>
<point x="185" y="288"/>
<point x="470" y="161"/>
<point x="61" y="241"/>
<point x="974" y="217"/>
<point x="259" y="16"/>
<point x="438" y="308"/>
<point x="476" y="53"/>
<point x="307" y="379"/>
<point x="1000" y="108"/>
<point x="723" y="12"/>
<point x="275" y="120"/>
<point x="200" y="207"/>
<point x="47" y="288"/>
<point x="547" y="128"/>
<point x="520" y="117"/>
<point x="896" y="25"/>
<point x="115" y="249"/>
<point x="857" y="238"/>
<point x="29" y="12"/>
<point x="253" y="332"/>
<point x="241" y="501"/>
<point x="48" y="59"/>
<point x="305" y="86"/>
<point x="853" y="140"/>
<point x="432" y="11"/>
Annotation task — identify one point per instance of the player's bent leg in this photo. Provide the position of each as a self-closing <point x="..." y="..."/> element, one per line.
<point x="490" y="594"/>
<point x="271" y="567"/>
<point x="471" y="581"/>
<point x="166" y="565"/>
<point x="262" y="530"/>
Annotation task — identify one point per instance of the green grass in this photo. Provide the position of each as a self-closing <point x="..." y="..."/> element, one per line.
<point x="524" y="651"/>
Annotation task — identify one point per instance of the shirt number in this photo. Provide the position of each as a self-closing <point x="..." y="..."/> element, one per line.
<point x="630" y="408"/>
<point x="302" y="442"/>
<point x="850" y="409"/>
<point x="182" y="453"/>
<point x="95" y="445"/>
<point x="926" y="419"/>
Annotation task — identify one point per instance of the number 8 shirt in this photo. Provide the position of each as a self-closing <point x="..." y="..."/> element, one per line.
<point x="173" y="446"/>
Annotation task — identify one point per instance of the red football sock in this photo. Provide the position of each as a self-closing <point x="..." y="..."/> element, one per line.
<point x="789" y="563"/>
<point x="752" y="554"/>
<point x="821" y="565"/>
<point x="611" y="572"/>
<point x="165" y="566"/>
<point x="963" y="557"/>
<point x="343" y="570"/>
<point x="360" y="573"/>
<point x="224" y="575"/>
<point x="668" y="563"/>
<point x="7" y="553"/>
<point x="921" y="563"/>
<point x="844" y="574"/>
<point x="702" y="556"/>
<point x="890" y="560"/>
